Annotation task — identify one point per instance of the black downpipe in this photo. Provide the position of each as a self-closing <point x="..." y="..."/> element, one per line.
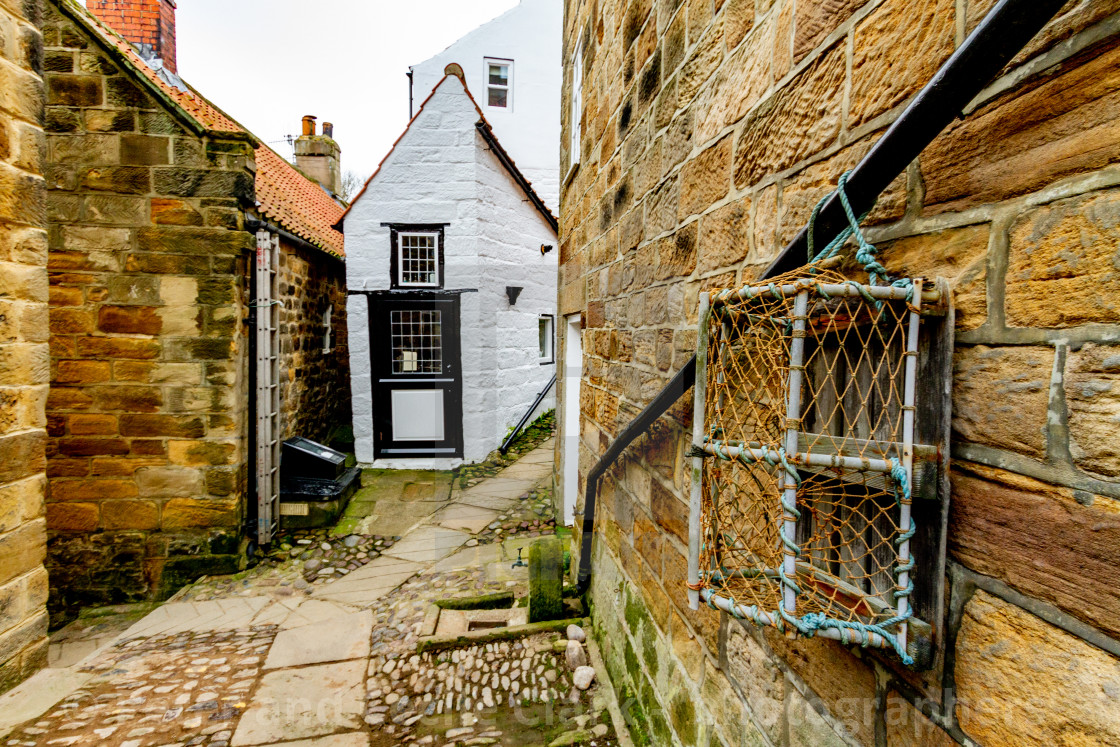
<point x="525" y="418"/>
<point x="1000" y="36"/>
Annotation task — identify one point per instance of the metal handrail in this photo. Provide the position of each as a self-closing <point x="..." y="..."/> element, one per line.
<point x="996" y="40"/>
<point x="525" y="418"/>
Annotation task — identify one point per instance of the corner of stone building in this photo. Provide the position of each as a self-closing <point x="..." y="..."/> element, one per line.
<point x="148" y="266"/>
<point x="23" y="349"/>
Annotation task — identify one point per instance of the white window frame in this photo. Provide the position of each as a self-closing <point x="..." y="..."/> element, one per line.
<point x="576" y="113"/>
<point x="549" y="355"/>
<point x="508" y="87"/>
<point x="327" y="327"/>
<point x="400" y="258"/>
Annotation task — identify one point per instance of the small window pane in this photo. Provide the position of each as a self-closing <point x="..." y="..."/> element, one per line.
<point x="419" y="260"/>
<point x="416" y="341"/>
<point x="498" y="97"/>
<point x="544" y="333"/>
<point x="499" y="74"/>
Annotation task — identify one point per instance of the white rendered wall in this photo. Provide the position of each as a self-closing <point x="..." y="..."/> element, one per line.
<point x="530" y="35"/>
<point x="511" y="233"/>
<point x="441" y="171"/>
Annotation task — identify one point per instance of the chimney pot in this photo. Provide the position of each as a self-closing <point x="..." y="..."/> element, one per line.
<point x="328" y="130"/>
<point x="309" y="126"/>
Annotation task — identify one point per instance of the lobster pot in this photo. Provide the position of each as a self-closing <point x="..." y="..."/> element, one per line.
<point x="806" y="467"/>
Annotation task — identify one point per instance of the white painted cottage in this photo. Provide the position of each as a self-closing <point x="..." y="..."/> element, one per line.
<point x="513" y="66"/>
<point x="451" y="274"/>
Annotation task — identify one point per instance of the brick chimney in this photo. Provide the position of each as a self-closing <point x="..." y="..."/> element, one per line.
<point x="318" y="156"/>
<point x="149" y="25"/>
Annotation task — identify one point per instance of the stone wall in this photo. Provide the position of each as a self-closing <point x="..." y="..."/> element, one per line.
<point x="23" y="347"/>
<point x="709" y="131"/>
<point x="314" y="382"/>
<point x="148" y="266"/>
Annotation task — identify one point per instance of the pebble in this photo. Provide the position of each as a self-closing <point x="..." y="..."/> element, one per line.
<point x="583" y="677"/>
<point x="575" y="633"/>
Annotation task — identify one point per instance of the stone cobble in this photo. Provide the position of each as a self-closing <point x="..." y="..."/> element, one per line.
<point x="182" y="690"/>
<point x="299" y="561"/>
<point x="533" y="516"/>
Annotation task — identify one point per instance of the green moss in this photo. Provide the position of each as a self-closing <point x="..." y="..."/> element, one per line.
<point x="649" y="651"/>
<point x="498" y="600"/>
<point x="683" y="714"/>
<point x="634" y="716"/>
<point x="546" y="579"/>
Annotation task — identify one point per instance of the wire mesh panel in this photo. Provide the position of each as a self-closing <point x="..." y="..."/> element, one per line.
<point x="803" y="477"/>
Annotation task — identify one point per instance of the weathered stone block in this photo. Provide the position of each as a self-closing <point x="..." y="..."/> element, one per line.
<point x="1067" y="250"/>
<point x="135" y="320"/>
<point x="109" y="120"/>
<point x="131" y="180"/>
<point x="145" y="150"/>
<point x="183" y="182"/>
<point x="175" y="483"/>
<point x="73" y="517"/>
<point x="162" y="426"/>
<point x="701" y="63"/>
<point x="1042" y="539"/>
<point x="85" y="150"/>
<point x="127" y="398"/>
<point x="1064" y="123"/>
<point x="898" y="48"/>
<point x="82" y="372"/>
<point x="22" y="549"/>
<point x="83" y="424"/>
<point x="795" y="122"/>
<point x="118" y="515"/>
<point x="1092" y="386"/>
<point x="1022" y="681"/>
<point x="738" y="84"/>
<point x="807" y="728"/>
<point x="22" y="455"/>
<point x="816" y="19"/>
<point x="74" y="90"/>
<point x="960" y="255"/>
<point x="196" y="241"/>
<point x="706" y="178"/>
<point x="1001" y="396"/>
<point x="202" y="453"/>
<point x="171" y="212"/>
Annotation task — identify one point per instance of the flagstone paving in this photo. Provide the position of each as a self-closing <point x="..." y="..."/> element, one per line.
<point x="290" y="655"/>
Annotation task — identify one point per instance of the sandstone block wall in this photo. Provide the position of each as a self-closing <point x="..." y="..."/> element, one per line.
<point x="23" y="347"/>
<point x="710" y="128"/>
<point x="314" y="383"/>
<point x="148" y="272"/>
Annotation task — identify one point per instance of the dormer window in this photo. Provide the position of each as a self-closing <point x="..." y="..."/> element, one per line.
<point x="416" y="259"/>
<point x="499" y="83"/>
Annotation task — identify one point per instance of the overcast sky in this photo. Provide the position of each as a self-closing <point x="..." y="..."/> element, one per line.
<point x="269" y="62"/>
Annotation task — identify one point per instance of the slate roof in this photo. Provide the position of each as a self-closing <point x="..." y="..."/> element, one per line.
<point x="487" y="132"/>
<point x="284" y="194"/>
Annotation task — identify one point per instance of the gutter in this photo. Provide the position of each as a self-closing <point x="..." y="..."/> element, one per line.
<point x="993" y="44"/>
<point x="252" y="225"/>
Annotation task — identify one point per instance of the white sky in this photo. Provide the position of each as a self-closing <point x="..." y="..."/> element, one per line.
<point x="269" y="62"/>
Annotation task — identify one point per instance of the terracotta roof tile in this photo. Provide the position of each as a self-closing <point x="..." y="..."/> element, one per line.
<point x="285" y="195"/>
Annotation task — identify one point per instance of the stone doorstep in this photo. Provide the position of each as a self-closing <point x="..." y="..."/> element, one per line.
<point x="351" y="739"/>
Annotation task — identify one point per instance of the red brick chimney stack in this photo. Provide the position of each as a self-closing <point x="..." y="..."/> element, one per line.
<point x="148" y="24"/>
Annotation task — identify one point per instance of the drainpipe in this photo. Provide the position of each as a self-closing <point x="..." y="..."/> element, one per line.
<point x="994" y="43"/>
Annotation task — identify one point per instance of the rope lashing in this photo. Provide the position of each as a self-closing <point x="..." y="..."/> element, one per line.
<point x="865" y="250"/>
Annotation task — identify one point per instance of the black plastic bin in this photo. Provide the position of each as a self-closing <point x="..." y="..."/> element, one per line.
<point x="315" y="484"/>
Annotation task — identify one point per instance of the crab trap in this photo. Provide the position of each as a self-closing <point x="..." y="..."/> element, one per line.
<point x="812" y="473"/>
